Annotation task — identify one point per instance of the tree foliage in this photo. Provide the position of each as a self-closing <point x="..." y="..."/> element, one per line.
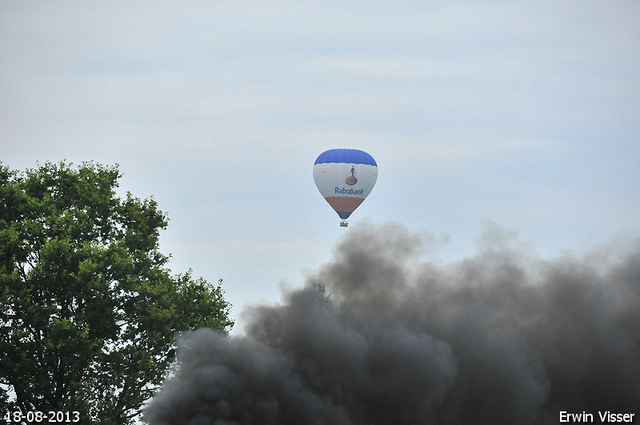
<point x="89" y="310"/>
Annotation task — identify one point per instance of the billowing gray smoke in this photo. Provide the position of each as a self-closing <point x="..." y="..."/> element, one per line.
<point x="501" y="338"/>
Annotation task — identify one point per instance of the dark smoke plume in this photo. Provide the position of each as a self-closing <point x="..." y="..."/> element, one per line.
<point x="501" y="338"/>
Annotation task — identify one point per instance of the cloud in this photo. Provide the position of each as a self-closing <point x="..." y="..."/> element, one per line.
<point x="503" y="337"/>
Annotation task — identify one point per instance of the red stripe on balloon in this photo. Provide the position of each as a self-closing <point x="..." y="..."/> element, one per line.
<point x="343" y="204"/>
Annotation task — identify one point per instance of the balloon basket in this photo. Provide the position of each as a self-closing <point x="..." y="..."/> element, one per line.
<point x="344" y="224"/>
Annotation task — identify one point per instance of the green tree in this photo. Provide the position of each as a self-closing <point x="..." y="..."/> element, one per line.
<point x="89" y="310"/>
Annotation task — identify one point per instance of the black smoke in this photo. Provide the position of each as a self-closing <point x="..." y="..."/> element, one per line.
<point x="379" y="336"/>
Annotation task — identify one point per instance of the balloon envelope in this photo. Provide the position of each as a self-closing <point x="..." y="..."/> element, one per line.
<point x="345" y="177"/>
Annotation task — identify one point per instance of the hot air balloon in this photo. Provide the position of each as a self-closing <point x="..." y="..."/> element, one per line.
<point x="345" y="178"/>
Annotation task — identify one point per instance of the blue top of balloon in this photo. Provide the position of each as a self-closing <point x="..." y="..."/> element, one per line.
<point x="349" y="156"/>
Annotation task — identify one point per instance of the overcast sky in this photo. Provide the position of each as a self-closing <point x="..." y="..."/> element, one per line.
<point x="524" y="114"/>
